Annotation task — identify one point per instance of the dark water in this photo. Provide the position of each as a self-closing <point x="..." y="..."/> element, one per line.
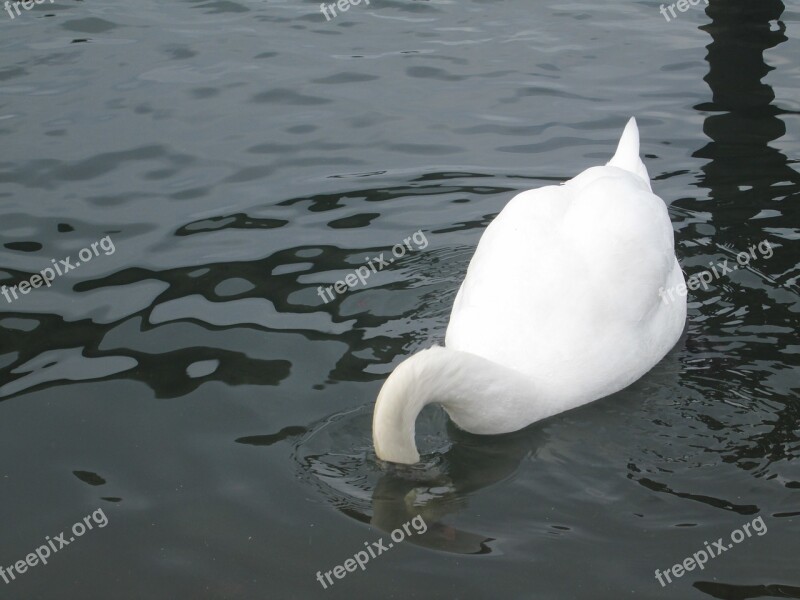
<point x="238" y="154"/>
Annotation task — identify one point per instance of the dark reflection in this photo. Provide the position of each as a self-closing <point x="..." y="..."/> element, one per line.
<point x="748" y="121"/>
<point x="745" y="176"/>
<point x="76" y="356"/>
<point x="354" y="221"/>
<point x="336" y="457"/>
<point x="280" y="283"/>
<point x="24" y="246"/>
<point x="471" y="464"/>
<point x="742" y="509"/>
<point x="743" y="173"/>
<point x="272" y="438"/>
<point x="234" y="221"/>
<point x="728" y="591"/>
<point x="89" y="477"/>
<point x="325" y="202"/>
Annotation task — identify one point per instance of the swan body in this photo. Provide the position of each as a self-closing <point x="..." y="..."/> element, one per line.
<point x="562" y="304"/>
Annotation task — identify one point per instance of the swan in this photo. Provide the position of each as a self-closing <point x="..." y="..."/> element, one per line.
<point x="563" y="303"/>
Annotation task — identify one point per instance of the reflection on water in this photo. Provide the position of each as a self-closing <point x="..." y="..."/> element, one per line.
<point x="337" y="458"/>
<point x="240" y="155"/>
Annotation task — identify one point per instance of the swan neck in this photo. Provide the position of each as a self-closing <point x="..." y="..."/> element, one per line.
<point x="399" y="402"/>
<point x="475" y="392"/>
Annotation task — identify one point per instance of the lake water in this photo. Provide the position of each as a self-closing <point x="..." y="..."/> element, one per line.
<point x="188" y="383"/>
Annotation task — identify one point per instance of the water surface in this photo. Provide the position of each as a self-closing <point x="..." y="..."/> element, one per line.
<point x="195" y="386"/>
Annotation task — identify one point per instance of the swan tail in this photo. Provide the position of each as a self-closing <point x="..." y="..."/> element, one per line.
<point x="627" y="154"/>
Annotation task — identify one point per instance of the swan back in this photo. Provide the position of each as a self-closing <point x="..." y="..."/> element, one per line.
<point x="563" y="286"/>
<point x="560" y="306"/>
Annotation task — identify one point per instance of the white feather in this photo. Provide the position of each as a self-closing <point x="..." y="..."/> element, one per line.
<point x="560" y="306"/>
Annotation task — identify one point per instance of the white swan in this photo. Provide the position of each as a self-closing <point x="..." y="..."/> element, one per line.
<point x="563" y="303"/>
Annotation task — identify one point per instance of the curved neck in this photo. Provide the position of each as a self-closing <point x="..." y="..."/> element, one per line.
<point x="479" y="395"/>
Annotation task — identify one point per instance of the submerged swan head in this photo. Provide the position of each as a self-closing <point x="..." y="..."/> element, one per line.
<point x="560" y="306"/>
<point x="404" y="394"/>
<point x="479" y="396"/>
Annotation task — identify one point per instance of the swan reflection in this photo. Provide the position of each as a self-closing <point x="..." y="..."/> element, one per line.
<point x="454" y="465"/>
